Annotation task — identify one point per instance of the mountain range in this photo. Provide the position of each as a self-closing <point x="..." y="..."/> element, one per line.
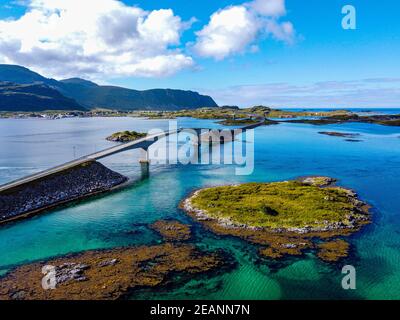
<point x="24" y="90"/>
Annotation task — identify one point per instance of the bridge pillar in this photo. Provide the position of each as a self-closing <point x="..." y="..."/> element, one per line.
<point x="144" y="163"/>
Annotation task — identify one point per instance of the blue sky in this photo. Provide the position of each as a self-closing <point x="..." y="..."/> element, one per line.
<point x="316" y="64"/>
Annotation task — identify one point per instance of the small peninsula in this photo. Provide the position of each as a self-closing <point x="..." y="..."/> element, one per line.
<point x="284" y="218"/>
<point x="126" y="136"/>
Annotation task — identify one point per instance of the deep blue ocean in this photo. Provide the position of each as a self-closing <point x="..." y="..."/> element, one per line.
<point x="285" y="151"/>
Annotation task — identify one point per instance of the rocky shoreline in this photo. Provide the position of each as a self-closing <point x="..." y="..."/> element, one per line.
<point x="279" y="242"/>
<point x="87" y="179"/>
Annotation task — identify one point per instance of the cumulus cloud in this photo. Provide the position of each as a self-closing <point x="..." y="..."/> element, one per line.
<point x="235" y="29"/>
<point x="269" y="7"/>
<point x="64" y="38"/>
<point x="380" y="92"/>
<point x="280" y="31"/>
<point x="229" y="31"/>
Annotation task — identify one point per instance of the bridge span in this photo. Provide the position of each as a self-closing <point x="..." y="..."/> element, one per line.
<point x="142" y="143"/>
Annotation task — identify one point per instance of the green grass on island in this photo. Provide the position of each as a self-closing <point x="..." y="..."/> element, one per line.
<point x="291" y="204"/>
<point x="126" y="136"/>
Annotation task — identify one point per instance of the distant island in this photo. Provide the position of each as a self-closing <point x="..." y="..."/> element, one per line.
<point x="126" y="136"/>
<point x="25" y="90"/>
<point x="228" y="116"/>
<point x="242" y="116"/>
<point x="284" y="218"/>
<point x="386" y="120"/>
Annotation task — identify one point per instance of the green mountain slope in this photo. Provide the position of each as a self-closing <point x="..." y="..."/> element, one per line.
<point x="33" y="97"/>
<point x="90" y="95"/>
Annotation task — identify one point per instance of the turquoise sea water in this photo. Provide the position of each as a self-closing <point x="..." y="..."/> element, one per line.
<point x="285" y="151"/>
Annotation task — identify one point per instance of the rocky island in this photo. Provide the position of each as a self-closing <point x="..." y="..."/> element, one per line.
<point x="126" y="136"/>
<point x="283" y="218"/>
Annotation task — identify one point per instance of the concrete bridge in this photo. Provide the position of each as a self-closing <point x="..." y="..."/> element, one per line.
<point x="142" y="143"/>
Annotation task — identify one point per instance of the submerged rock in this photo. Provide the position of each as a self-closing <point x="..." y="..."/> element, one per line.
<point x="332" y="251"/>
<point x="172" y="230"/>
<point x="108" y="274"/>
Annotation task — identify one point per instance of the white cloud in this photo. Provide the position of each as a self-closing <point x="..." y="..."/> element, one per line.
<point x="280" y="31"/>
<point x="64" y="38"/>
<point x="230" y="30"/>
<point x="235" y="29"/>
<point x="269" y="7"/>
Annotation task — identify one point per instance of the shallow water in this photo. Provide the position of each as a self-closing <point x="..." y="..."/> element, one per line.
<point x="285" y="151"/>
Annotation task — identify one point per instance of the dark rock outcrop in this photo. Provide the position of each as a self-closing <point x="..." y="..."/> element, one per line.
<point x="75" y="183"/>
